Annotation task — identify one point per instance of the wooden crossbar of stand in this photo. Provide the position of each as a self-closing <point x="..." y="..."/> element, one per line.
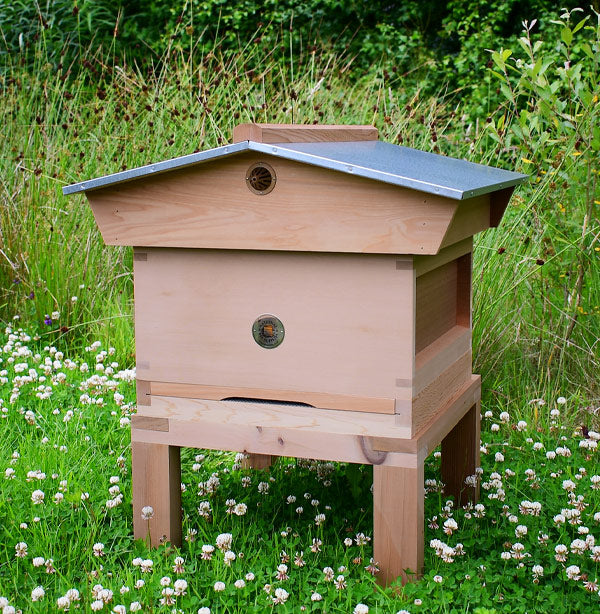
<point x="168" y="423"/>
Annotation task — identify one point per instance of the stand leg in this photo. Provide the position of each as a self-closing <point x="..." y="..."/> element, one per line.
<point x="156" y="482"/>
<point x="460" y="457"/>
<point x="398" y="521"/>
<point x="257" y="461"/>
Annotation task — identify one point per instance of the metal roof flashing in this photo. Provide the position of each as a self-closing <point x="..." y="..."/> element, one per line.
<point x="377" y="160"/>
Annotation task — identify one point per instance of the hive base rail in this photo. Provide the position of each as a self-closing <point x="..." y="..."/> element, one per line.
<point x="168" y="423"/>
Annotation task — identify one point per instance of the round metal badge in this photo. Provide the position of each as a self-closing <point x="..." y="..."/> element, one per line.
<point x="268" y="331"/>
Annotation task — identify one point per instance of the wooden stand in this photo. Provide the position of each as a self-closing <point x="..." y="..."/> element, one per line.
<point x="280" y="430"/>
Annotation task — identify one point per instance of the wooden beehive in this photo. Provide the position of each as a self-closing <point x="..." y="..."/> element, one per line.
<point x="355" y="253"/>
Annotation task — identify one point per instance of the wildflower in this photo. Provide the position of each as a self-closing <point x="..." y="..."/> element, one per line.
<point x="328" y="572"/>
<point x="299" y="510"/>
<point x="146" y="566"/>
<point x="49" y="563"/>
<point x="578" y="546"/>
<point x="37" y="593"/>
<point x="207" y="551"/>
<point x="239" y="584"/>
<point x="569" y="485"/>
<point x="372" y="567"/>
<point x="63" y="603"/>
<point x="135" y="606"/>
<point x="165" y="581"/>
<point x="37" y="496"/>
<point x="204" y="610"/>
<point x="282" y="572"/>
<point x="505" y="556"/>
<point x="504" y="417"/>
<point x="219" y="586"/>
<point x="450" y="526"/>
<point x="561" y="553"/>
<point x="361" y="539"/>
<point x="228" y="557"/>
<point x="319" y="519"/>
<point x="38" y="561"/>
<point x="98" y="549"/>
<point x="561" y="401"/>
<point x="97" y="605"/>
<point x="316" y="545"/>
<point x="520" y="531"/>
<point x="537" y="571"/>
<point x="316" y="597"/>
<point x="438" y="579"/>
<point x="147" y="512"/>
<point x="348" y="542"/>
<point x="281" y="596"/>
<point x="340" y="583"/>
<point x="263" y="488"/>
<point x="573" y="572"/>
<point x="180" y="587"/>
<point x="21" y="550"/>
<point x="361" y="608"/>
<point x="224" y="541"/>
<point x="499" y="457"/>
<point x="240" y="509"/>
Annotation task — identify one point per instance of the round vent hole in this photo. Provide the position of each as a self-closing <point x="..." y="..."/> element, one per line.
<point x="260" y="178"/>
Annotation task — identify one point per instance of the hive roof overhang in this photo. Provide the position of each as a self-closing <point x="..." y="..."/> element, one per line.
<point x="377" y="160"/>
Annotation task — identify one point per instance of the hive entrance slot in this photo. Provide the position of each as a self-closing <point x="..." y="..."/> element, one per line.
<point x="267" y="401"/>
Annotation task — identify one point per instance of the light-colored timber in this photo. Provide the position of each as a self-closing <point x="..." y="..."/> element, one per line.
<point x="310" y="209"/>
<point x="315" y="399"/>
<point x="302" y="133"/>
<point x="348" y="322"/>
<point x="398" y="521"/>
<point x="157" y="484"/>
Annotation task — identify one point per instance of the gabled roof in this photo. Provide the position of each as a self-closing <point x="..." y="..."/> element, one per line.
<point x="401" y="166"/>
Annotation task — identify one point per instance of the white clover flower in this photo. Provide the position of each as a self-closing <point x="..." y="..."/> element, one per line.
<point x="569" y="485"/>
<point x="240" y="509"/>
<point x="573" y="572"/>
<point x="450" y="526"/>
<point x="504" y="417"/>
<point x="319" y="519"/>
<point x="219" y="586"/>
<point x="224" y="540"/>
<point x="249" y="576"/>
<point x="521" y="425"/>
<point x="120" y="609"/>
<point x="37" y="496"/>
<point x="578" y="546"/>
<point x="438" y="579"/>
<point x="135" y="606"/>
<point x="204" y="610"/>
<point x="21" y="550"/>
<point x="37" y="593"/>
<point x="63" y="603"/>
<point x="537" y="571"/>
<point x="97" y="605"/>
<point x="228" y="557"/>
<point x="505" y="556"/>
<point x="180" y="587"/>
<point x="263" y="488"/>
<point x="561" y="401"/>
<point x="316" y="597"/>
<point x="499" y="457"/>
<point x="281" y="596"/>
<point x="98" y="549"/>
<point x="537" y="446"/>
<point x="38" y="561"/>
<point x="495" y="428"/>
<point x="239" y="584"/>
<point x="520" y="531"/>
<point x="361" y="608"/>
<point x="165" y="581"/>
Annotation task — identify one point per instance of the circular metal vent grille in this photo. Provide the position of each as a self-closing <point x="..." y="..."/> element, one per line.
<point x="260" y="178"/>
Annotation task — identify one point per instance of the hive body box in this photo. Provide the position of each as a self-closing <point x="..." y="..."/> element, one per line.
<point x="361" y="250"/>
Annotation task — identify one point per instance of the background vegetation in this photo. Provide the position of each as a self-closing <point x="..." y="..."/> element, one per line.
<point x="80" y="99"/>
<point x="90" y="88"/>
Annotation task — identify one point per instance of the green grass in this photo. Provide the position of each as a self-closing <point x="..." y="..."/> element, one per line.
<point x="64" y="431"/>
